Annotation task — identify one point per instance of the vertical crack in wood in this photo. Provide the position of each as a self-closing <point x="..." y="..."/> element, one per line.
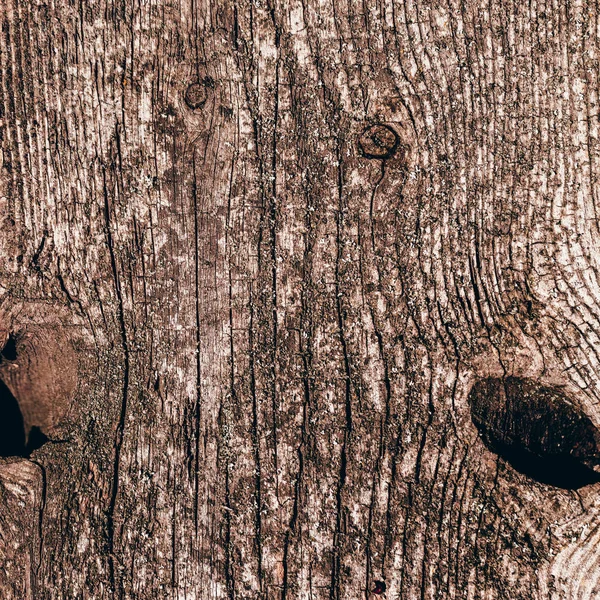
<point x="36" y="586"/>
<point x="335" y="589"/>
<point x="232" y="385"/>
<point x="255" y="443"/>
<point x="374" y="258"/>
<point x="229" y="558"/>
<point x="273" y="249"/>
<point x="120" y="428"/>
<point x="198" y="359"/>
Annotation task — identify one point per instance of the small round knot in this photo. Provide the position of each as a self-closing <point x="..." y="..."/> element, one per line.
<point x="378" y="141"/>
<point x="195" y="95"/>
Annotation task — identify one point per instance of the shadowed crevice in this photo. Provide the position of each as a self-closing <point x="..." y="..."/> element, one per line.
<point x="557" y="470"/>
<point x="12" y="428"/>
<point x="538" y="430"/>
<point x="13" y="441"/>
<point x="37" y="438"/>
<point x="9" y="352"/>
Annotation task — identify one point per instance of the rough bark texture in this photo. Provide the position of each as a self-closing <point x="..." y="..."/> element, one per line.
<point x="279" y="310"/>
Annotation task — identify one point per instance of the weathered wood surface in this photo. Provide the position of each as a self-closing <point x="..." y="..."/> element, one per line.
<point x="276" y="335"/>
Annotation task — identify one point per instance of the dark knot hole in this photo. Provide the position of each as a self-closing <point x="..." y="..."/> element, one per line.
<point x="14" y="440"/>
<point x="538" y="430"/>
<point x="9" y="352"/>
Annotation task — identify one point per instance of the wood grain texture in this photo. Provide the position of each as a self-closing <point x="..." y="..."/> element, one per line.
<point x="276" y="335"/>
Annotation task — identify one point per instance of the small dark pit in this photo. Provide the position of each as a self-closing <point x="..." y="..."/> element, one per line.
<point x="537" y="430"/>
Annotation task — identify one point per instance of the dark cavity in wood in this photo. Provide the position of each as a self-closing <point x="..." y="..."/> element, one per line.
<point x="378" y="141"/>
<point x="196" y="95"/>
<point x="14" y="439"/>
<point x="9" y="352"/>
<point x="38" y="375"/>
<point x="537" y="430"/>
<point x="12" y="429"/>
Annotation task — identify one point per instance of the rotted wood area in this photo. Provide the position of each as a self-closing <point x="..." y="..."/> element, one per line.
<point x="308" y="281"/>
